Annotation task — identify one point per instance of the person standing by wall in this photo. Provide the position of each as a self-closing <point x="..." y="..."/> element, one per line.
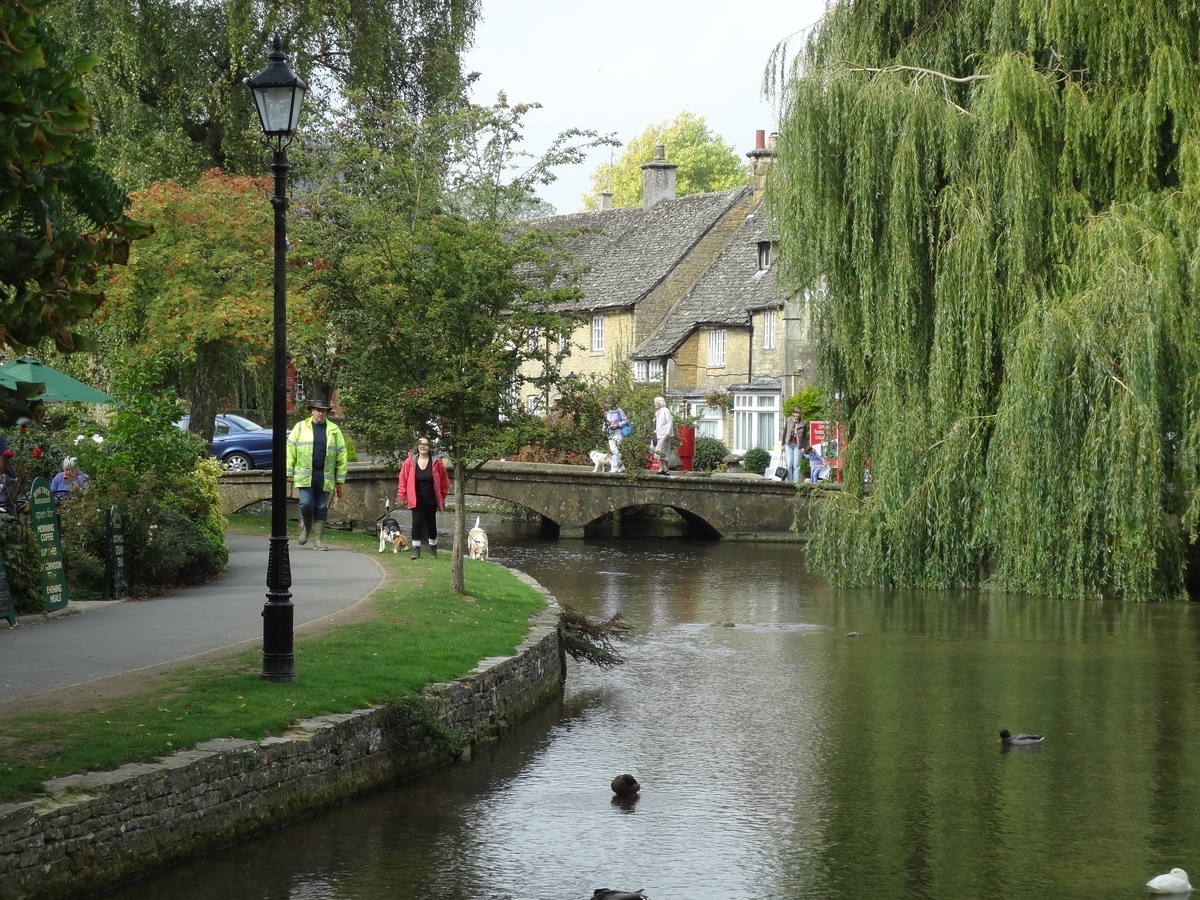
<point x="793" y="440"/>
<point x="423" y="487"/>
<point x="664" y="435"/>
<point x="317" y="463"/>
<point x="616" y="423"/>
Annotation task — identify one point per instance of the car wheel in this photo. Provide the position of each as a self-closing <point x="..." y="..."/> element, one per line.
<point x="238" y="462"/>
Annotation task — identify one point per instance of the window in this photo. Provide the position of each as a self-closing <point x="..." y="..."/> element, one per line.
<point x="534" y="340"/>
<point x="597" y="334"/>
<point x="532" y="404"/>
<point x="755" y="421"/>
<point x="564" y="341"/>
<point x="768" y="327"/>
<point x="716" y="348"/>
<point x="710" y="420"/>
<point x="648" y="369"/>
<point x="764" y="255"/>
<point x="657" y="368"/>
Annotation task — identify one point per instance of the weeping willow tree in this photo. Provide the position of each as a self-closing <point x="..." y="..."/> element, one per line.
<point x="1000" y="200"/>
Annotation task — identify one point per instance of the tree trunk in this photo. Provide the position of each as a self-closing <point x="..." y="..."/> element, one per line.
<point x="457" y="584"/>
<point x="205" y="391"/>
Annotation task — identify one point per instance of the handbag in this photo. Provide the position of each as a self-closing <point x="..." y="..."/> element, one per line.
<point x="627" y="429"/>
<point x="781" y="472"/>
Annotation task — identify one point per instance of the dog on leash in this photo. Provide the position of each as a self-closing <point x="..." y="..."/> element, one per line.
<point x="389" y="531"/>
<point x="600" y="460"/>
<point x="477" y="542"/>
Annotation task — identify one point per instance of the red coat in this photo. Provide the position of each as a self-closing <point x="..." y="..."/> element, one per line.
<point x="406" y="489"/>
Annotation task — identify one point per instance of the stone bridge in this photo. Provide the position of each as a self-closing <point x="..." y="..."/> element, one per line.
<point x="570" y="498"/>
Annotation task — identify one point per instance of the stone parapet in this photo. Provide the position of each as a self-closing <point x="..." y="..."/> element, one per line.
<point x="98" y="829"/>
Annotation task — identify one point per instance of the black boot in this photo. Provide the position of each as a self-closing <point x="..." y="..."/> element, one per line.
<point x="433" y="549"/>
<point x="416" y="550"/>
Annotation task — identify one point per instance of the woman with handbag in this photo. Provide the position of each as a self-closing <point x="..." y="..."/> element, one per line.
<point x="793" y="440"/>
<point x="618" y="426"/>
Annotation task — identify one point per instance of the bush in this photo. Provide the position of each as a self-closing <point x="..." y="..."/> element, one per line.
<point x="709" y="454"/>
<point x="756" y="461"/>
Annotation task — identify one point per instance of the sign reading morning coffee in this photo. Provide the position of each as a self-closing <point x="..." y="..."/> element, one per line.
<point x="114" y="584"/>
<point x="45" y="529"/>
<point x="6" y="601"/>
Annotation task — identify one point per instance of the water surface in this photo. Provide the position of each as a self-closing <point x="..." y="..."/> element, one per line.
<point x="781" y="758"/>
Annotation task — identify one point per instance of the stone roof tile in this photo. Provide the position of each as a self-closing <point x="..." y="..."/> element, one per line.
<point x="725" y="294"/>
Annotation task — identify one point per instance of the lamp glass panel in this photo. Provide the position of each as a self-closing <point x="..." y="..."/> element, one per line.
<point x="279" y="108"/>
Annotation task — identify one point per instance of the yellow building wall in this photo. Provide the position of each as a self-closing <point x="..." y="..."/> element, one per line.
<point x="618" y="342"/>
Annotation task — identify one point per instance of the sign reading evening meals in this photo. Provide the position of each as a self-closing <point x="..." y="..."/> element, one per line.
<point x="50" y="556"/>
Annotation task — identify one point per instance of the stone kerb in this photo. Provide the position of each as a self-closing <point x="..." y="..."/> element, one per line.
<point x="95" y="830"/>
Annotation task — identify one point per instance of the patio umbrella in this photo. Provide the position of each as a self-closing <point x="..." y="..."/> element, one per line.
<point x="59" y="387"/>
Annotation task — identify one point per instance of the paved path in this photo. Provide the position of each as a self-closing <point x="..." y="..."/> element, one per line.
<point x="105" y="639"/>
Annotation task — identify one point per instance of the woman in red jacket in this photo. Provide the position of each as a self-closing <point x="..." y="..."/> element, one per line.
<point x="423" y="487"/>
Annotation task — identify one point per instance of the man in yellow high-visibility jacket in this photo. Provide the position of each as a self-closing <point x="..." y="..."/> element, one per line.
<point x="317" y="462"/>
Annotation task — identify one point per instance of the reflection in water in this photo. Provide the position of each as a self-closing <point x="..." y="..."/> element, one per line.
<point x="780" y="758"/>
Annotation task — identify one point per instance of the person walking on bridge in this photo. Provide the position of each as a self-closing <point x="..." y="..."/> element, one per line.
<point x="317" y="463"/>
<point x="423" y="488"/>
<point x="663" y="435"/>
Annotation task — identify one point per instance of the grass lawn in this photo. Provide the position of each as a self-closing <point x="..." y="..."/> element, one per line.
<point x="419" y="633"/>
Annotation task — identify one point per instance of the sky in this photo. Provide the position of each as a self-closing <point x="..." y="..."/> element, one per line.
<point x="621" y="65"/>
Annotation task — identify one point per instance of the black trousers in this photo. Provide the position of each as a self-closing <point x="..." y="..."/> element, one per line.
<point x="424" y="522"/>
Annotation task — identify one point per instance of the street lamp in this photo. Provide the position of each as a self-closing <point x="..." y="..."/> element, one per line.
<point x="278" y="94"/>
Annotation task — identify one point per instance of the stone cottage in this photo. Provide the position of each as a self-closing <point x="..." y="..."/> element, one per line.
<point x="683" y="289"/>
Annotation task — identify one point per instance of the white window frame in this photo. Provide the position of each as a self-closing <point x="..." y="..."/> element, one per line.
<point x="564" y="341"/>
<point x="710" y="420"/>
<point x="755" y="421"/>
<point x="532" y="404"/>
<point x="534" y="341"/>
<point x="597" y="334"/>
<point x="768" y="326"/>
<point x="657" y="369"/>
<point x="717" y="340"/>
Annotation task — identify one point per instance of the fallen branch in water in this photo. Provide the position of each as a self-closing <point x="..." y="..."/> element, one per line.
<point x="588" y="641"/>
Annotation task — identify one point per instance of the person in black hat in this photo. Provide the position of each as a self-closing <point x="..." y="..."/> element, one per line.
<point x="317" y="463"/>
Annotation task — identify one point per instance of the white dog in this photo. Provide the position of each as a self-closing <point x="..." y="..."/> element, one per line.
<point x="477" y="542"/>
<point x="389" y="531"/>
<point x="600" y="460"/>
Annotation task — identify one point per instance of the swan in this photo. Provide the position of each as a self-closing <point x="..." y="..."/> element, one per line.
<point x="1020" y="740"/>
<point x="1174" y="882"/>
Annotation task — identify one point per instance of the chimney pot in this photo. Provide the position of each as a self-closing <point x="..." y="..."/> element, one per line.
<point x="606" y="200"/>
<point x="658" y="178"/>
<point x="760" y="138"/>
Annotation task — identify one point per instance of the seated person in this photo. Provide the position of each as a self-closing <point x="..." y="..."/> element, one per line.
<point x="70" y="477"/>
<point x="818" y="469"/>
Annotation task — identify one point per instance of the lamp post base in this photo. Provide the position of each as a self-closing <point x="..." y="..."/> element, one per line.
<point x="279" y="662"/>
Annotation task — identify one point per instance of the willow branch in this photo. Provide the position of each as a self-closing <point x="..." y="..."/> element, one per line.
<point x="854" y="67"/>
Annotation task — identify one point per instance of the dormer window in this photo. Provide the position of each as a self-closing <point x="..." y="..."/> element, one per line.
<point x="765" y="255"/>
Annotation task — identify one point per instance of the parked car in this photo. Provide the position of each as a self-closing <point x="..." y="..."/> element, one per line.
<point x="239" y="443"/>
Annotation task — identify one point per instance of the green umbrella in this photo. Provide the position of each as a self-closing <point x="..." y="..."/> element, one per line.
<point x="58" y="387"/>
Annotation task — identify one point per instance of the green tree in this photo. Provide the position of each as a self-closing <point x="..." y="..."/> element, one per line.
<point x="429" y="290"/>
<point x="62" y="219"/>
<point x="169" y="92"/>
<point x="200" y="292"/>
<point x="706" y="163"/>
<point x="1001" y="200"/>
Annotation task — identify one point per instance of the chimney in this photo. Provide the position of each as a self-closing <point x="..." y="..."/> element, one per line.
<point x="760" y="160"/>
<point x="658" y="179"/>
<point x="606" y="199"/>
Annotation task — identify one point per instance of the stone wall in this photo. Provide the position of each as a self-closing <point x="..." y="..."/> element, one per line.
<point x="99" y="829"/>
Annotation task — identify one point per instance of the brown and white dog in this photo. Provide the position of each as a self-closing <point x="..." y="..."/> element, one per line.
<point x="600" y="460"/>
<point x="477" y="542"/>
<point x="389" y="531"/>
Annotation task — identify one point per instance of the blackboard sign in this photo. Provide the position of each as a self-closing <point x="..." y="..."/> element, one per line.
<point x="114" y="582"/>
<point x="44" y="514"/>
<point x="6" y="601"/>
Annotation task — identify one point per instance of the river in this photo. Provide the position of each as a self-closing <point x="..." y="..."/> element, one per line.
<point x="781" y="757"/>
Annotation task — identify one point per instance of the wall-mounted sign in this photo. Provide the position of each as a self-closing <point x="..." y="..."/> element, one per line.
<point x="44" y="514"/>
